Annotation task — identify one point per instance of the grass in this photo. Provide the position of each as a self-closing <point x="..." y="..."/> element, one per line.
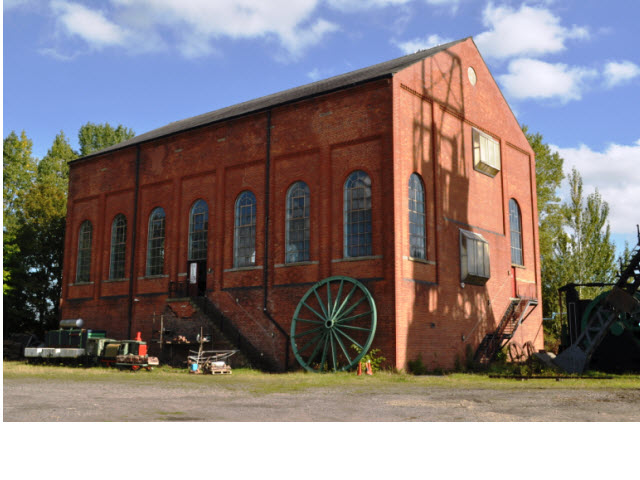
<point x="261" y="383"/>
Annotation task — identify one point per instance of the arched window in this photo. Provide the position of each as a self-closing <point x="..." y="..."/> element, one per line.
<point x="297" y="224"/>
<point x="83" y="270"/>
<point x="244" y="242"/>
<point x="118" y="247"/>
<point x="198" y="226"/>
<point x="357" y="215"/>
<point x="155" y="243"/>
<point x="515" y="221"/>
<point x="417" y="233"/>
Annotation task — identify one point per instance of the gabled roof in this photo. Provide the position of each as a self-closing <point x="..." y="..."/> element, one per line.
<point x="346" y="80"/>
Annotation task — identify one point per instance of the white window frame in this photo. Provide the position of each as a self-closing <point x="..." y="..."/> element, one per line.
<point x="486" y="153"/>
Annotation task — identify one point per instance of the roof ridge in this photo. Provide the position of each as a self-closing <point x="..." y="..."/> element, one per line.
<point x="301" y="92"/>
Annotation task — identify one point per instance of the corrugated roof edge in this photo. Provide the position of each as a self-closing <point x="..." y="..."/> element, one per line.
<point x="296" y="94"/>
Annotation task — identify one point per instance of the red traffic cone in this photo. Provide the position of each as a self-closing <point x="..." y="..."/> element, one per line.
<point x="139" y="337"/>
<point x="359" y="368"/>
<point x="369" y="369"/>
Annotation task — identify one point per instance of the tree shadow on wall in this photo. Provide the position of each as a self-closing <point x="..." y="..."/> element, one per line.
<point x="447" y="320"/>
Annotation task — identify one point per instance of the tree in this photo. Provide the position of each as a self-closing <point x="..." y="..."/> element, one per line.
<point x="549" y="177"/>
<point x="585" y="245"/>
<point x="95" y="137"/>
<point x="35" y="266"/>
<point x="18" y="173"/>
<point x="43" y="231"/>
<point x="575" y="243"/>
<point x="35" y="208"/>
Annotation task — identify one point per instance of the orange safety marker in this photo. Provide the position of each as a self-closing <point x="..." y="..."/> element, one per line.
<point x="359" y="368"/>
<point x="369" y="369"/>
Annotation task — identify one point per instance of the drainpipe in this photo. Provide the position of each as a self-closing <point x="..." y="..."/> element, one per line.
<point x="265" y="268"/>
<point x="133" y="241"/>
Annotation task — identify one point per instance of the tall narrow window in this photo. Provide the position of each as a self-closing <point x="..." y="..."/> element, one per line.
<point x="198" y="226"/>
<point x="357" y="215"/>
<point x="83" y="270"/>
<point x="417" y="234"/>
<point x="118" y="247"/>
<point x="515" y="221"/>
<point x="297" y="225"/>
<point x="244" y="242"/>
<point x="155" y="243"/>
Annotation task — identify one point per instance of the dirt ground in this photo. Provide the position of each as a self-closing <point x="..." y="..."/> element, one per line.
<point x="51" y="400"/>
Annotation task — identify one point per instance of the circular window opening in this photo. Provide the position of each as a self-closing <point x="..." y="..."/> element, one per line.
<point x="472" y="76"/>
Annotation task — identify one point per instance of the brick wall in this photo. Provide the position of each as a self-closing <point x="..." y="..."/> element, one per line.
<point x="419" y="121"/>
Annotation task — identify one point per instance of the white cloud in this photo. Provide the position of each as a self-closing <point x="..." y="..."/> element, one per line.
<point x="412" y="46"/>
<point x="90" y="25"/>
<point x="529" y="78"/>
<point x="615" y="173"/>
<point x="528" y="32"/>
<point x="194" y="26"/>
<point x="357" y="5"/>
<point x="617" y="73"/>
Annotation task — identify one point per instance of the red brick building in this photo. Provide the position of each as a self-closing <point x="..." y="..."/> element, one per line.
<point x="412" y="176"/>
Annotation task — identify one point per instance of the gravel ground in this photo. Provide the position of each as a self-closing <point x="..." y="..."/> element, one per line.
<point x="33" y="400"/>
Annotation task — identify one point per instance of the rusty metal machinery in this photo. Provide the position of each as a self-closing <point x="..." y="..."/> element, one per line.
<point x="611" y="314"/>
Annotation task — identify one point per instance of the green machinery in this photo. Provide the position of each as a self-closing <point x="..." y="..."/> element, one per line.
<point x="608" y="325"/>
<point x="334" y="325"/>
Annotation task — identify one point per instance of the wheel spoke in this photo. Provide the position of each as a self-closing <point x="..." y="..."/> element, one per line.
<point x="352" y="307"/>
<point x="346" y="300"/>
<point x="342" y="321"/>
<point x="318" y="322"/>
<point x="357" y="344"/>
<point x="307" y="332"/>
<point x="314" y="312"/>
<point x="335" y="303"/>
<point x="324" y="352"/>
<point x="352" y="327"/>
<point x="311" y="342"/>
<point x="344" y="350"/>
<point x="333" y="350"/>
<point x="321" y="303"/>
<point x="317" y="349"/>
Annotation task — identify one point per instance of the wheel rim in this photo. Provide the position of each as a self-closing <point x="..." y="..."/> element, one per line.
<point x="336" y="314"/>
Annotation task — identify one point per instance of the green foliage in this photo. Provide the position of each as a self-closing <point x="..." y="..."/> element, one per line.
<point x="549" y="176"/>
<point x="373" y="356"/>
<point x="95" y="137"/>
<point x="18" y="174"/>
<point x="575" y="244"/>
<point x="35" y="208"/>
<point x="417" y="367"/>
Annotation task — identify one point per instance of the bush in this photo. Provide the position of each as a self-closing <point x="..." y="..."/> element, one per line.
<point x="373" y="356"/>
<point x="417" y="367"/>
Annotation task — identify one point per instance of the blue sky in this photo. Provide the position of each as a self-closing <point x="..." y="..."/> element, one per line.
<point x="569" y="69"/>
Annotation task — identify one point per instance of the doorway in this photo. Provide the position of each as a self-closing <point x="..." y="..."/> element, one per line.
<point x="197" y="282"/>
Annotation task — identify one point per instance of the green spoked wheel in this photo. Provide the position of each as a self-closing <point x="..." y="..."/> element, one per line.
<point x="334" y="325"/>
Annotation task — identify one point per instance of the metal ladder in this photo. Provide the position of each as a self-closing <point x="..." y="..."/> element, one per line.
<point x="513" y="317"/>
